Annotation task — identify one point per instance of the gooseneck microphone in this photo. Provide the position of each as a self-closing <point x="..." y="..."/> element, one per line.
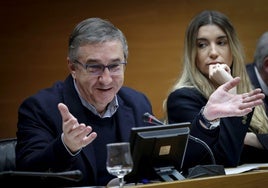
<point x="149" y="118"/>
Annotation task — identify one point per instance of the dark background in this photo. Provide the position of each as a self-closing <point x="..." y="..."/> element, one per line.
<point x="34" y="36"/>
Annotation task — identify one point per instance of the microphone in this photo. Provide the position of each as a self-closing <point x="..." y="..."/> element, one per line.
<point x="148" y="118"/>
<point x="41" y="179"/>
<point x="74" y="175"/>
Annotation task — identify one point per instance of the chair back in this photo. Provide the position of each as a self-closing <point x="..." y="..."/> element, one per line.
<point x="7" y="154"/>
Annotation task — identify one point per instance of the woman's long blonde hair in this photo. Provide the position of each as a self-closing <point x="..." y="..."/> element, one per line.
<point x="192" y="77"/>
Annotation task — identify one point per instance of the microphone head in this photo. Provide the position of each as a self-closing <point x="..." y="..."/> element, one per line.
<point x="149" y="118"/>
<point x="146" y="116"/>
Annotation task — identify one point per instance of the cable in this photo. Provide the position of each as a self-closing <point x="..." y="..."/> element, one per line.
<point x="205" y="145"/>
<point x="147" y="117"/>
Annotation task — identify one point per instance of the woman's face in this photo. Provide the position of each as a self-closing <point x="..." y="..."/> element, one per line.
<point x="212" y="48"/>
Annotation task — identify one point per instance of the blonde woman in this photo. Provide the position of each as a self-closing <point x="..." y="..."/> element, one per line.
<point x="215" y="95"/>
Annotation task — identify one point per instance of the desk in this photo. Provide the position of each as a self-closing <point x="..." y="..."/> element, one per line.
<point x="254" y="179"/>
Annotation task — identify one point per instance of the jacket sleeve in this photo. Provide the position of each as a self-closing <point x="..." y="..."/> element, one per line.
<point x="263" y="139"/>
<point x="226" y="141"/>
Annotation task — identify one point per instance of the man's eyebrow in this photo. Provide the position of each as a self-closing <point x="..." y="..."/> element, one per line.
<point x="116" y="60"/>
<point x="92" y="61"/>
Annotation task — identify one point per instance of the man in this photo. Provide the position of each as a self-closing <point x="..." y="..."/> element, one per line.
<point x="66" y="127"/>
<point x="258" y="70"/>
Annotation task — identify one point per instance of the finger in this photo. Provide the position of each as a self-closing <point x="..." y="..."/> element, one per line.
<point x="250" y="105"/>
<point x="231" y="84"/>
<point x="226" y="68"/>
<point x="256" y="94"/>
<point x="255" y="91"/>
<point x="210" y="68"/>
<point x="64" y="111"/>
<point x="257" y="97"/>
<point x="80" y="130"/>
<point x="88" y="139"/>
<point x="86" y="136"/>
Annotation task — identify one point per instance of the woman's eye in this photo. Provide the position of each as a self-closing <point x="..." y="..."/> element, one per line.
<point x="222" y="43"/>
<point x="201" y="45"/>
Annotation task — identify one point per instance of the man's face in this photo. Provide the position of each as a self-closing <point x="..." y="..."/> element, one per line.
<point x="99" y="90"/>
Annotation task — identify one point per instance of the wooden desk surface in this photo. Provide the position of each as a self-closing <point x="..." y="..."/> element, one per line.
<point x="254" y="179"/>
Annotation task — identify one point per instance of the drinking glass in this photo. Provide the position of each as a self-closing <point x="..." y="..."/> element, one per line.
<point x="119" y="161"/>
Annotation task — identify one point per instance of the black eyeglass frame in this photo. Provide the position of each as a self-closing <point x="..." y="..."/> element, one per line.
<point x="109" y="67"/>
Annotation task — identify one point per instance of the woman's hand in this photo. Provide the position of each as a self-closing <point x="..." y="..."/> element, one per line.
<point x="220" y="74"/>
<point x="222" y="103"/>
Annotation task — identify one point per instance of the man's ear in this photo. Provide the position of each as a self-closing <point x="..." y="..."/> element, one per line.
<point x="71" y="67"/>
<point x="265" y="64"/>
<point x="264" y="70"/>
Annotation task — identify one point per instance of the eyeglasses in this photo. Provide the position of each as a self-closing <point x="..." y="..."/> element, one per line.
<point x="98" y="69"/>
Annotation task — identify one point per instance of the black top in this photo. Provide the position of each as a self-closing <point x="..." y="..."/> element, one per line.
<point x="226" y="141"/>
<point x="39" y="145"/>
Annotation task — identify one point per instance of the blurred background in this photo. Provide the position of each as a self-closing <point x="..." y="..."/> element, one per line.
<point x="34" y="39"/>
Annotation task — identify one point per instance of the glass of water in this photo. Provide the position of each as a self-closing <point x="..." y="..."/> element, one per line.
<point x="119" y="161"/>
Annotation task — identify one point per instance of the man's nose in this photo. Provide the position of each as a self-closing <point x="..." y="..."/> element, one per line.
<point x="105" y="76"/>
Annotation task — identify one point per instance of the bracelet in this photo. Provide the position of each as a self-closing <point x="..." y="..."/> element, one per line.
<point x="209" y="124"/>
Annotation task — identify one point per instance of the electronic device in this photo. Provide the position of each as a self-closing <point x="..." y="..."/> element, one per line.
<point x="158" y="152"/>
<point x="194" y="172"/>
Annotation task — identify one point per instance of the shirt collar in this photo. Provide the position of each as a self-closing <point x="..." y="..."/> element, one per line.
<point x="264" y="87"/>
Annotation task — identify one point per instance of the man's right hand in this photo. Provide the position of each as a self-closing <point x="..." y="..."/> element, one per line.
<point x="75" y="135"/>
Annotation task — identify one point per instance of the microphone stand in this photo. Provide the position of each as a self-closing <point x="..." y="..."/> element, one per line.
<point x="199" y="170"/>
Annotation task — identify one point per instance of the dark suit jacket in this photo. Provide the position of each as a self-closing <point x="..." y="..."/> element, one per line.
<point x="226" y="141"/>
<point x="254" y="80"/>
<point x="263" y="138"/>
<point x="39" y="146"/>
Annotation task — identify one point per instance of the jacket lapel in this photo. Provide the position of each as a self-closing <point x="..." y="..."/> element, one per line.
<point x="125" y="120"/>
<point x="74" y="104"/>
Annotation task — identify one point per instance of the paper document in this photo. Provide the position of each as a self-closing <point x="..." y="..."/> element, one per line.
<point x="245" y="168"/>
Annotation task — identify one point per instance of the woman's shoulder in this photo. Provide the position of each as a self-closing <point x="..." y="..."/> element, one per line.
<point x="185" y="91"/>
<point x="185" y="95"/>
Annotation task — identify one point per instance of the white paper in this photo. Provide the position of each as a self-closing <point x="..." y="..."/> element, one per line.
<point x="245" y="168"/>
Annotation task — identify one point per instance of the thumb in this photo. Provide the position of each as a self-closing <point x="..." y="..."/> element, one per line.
<point x="64" y="111"/>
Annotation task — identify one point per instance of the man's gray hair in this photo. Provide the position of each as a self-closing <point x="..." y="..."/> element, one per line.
<point x="261" y="51"/>
<point x="93" y="31"/>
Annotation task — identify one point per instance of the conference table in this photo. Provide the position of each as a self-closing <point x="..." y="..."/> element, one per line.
<point x="251" y="179"/>
<point x="245" y="176"/>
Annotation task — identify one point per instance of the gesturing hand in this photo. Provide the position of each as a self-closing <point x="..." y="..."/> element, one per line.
<point x="75" y="135"/>
<point x="222" y="103"/>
